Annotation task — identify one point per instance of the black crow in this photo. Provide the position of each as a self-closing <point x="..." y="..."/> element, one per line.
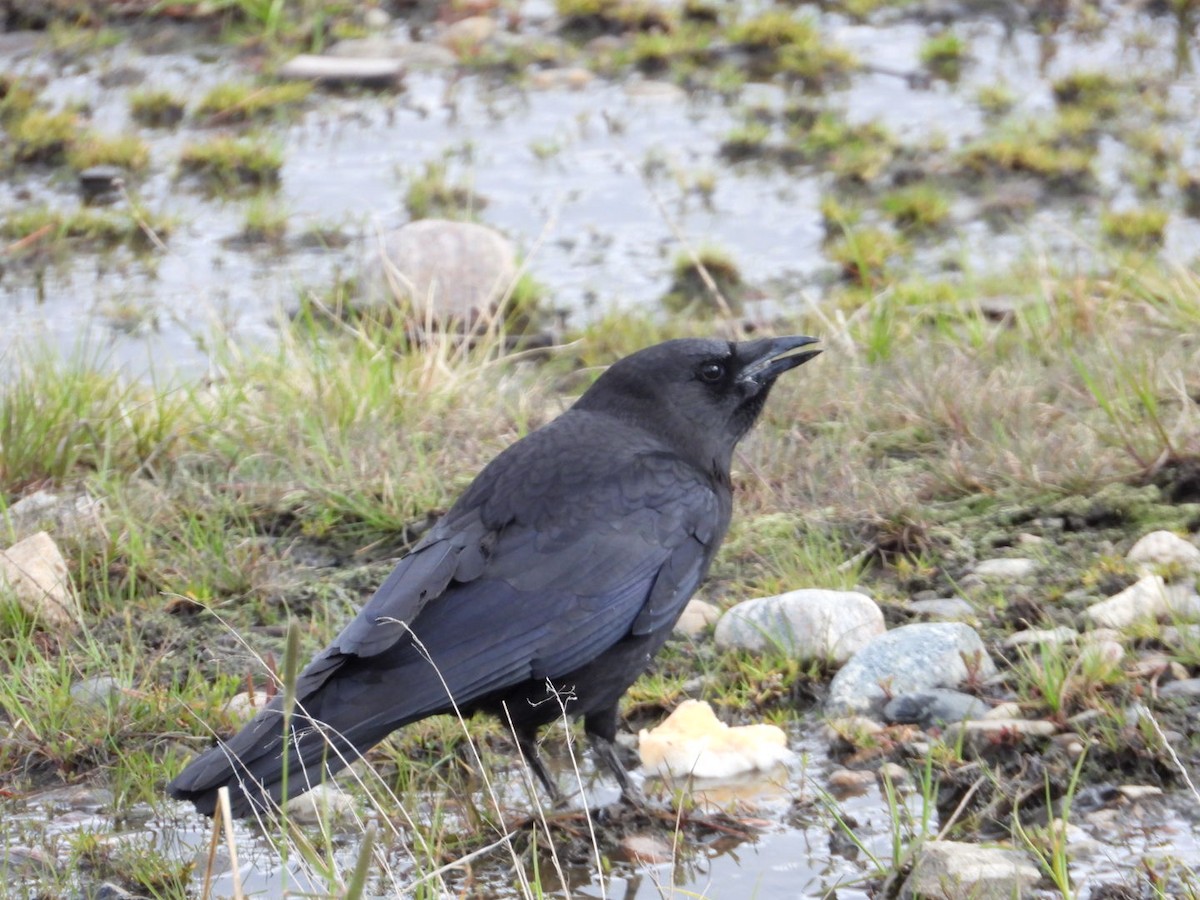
<point x="552" y="580"/>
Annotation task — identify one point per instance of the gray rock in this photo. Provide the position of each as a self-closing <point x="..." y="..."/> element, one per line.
<point x="1188" y="687"/>
<point x="1005" y="569"/>
<point x="71" y="514"/>
<point x="985" y="732"/>
<point x="908" y="659"/>
<point x="100" y="690"/>
<point x="934" y="708"/>
<point x="950" y="870"/>
<point x="1049" y="636"/>
<point x="440" y="271"/>
<point x="1147" y="599"/>
<point x="696" y="616"/>
<point x="110" y="891"/>
<point x="1164" y="548"/>
<point x="96" y="181"/>
<point x="325" y="804"/>
<point x="410" y="55"/>
<point x="946" y="609"/>
<point x="335" y="70"/>
<point x="808" y="624"/>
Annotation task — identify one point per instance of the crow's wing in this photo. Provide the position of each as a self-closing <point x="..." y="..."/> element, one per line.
<point x="530" y="579"/>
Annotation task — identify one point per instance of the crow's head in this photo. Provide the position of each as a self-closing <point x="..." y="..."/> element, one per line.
<point x="701" y="396"/>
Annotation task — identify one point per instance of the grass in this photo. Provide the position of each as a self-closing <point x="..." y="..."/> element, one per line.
<point x="433" y="193"/>
<point x="235" y="102"/>
<point x="126" y="151"/>
<point x="944" y="54"/>
<point x="156" y="108"/>
<point x="230" y="164"/>
<point x="43" y="137"/>
<point x="39" y="227"/>
<point x="207" y="488"/>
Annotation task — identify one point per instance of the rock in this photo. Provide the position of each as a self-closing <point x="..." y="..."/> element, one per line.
<point x="808" y="624"/>
<point x="692" y="742"/>
<point x="1136" y="792"/>
<point x="410" y="55"/>
<point x="466" y="36"/>
<point x="63" y="515"/>
<point x="951" y="870"/>
<point x="100" y="691"/>
<point x="325" y="803"/>
<point x="1008" y="710"/>
<point x="111" y="891"/>
<point x="980" y="732"/>
<point x="908" y="659"/>
<point x="1102" y="653"/>
<point x="845" y="783"/>
<point x="946" y="609"/>
<point x="1149" y="598"/>
<point x="934" y="708"/>
<point x="849" y="730"/>
<point x="1181" y="635"/>
<point x="696" y="617"/>
<point x="443" y="271"/>
<point x="34" y="572"/>
<point x="96" y="181"/>
<point x="1052" y="636"/>
<point x="1188" y="687"/>
<point x="895" y="773"/>
<point x="245" y="706"/>
<point x="1163" y="548"/>
<point x="654" y="91"/>
<point x="26" y="862"/>
<point x="645" y="848"/>
<point x="343" y="70"/>
<point x="561" y="78"/>
<point x="1005" y="569"/>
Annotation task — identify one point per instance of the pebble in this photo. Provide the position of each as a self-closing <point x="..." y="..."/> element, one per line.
<point x="36" y="574"/>
<point x="895" y="773"/>
<point x="1188" y="687"/>
<point x="96" y="181"/>
<point x="340" y="70"/>
<point x="325" y="803"/>
<point x="1061" y="635"/>
<point x="645" y="848"/>
<point x="1006" y="568"/>
<point x="1146" y="599"/>
<point x="99" y="691"/>
<point x="696" y="617"/>
<point x="934" y="707"/>
<point x="466" y="36"/>
<point x="984" y="731"/>
<point x="1164" y="548"/>
<point x="561" y="78"/>
<point x="946" y="609"/>
<point x="845" y="783"/>
<point x="809" y="624"/>
<point x="905" y="660"/>
<point x="955" y="871"/>
<point x="1135" y="792"/>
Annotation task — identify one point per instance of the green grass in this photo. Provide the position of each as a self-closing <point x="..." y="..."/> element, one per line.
<point x="127" y="151"/>
<point x="239" y="102"/>
<point x="944" y="55"/>
<point x="156" y="108"/>
<point x="228" y="164"/>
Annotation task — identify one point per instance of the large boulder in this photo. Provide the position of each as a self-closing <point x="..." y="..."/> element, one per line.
<point x="809" y="624"/>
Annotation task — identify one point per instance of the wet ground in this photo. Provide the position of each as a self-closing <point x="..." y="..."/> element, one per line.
<point x="596" y="183"/>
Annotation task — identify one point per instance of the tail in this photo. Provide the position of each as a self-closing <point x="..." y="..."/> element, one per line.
<point x="251" y="764"/>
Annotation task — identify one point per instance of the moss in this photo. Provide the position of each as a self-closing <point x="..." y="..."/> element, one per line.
<point x="227" y="163"/>
<point x="865" y="252"/>
<point x="127" y="151"/>
<point x="917" y="207"/>
<point x="944" y="54"/>
<point x="748" y="141"/>
<point x="855" y="152"/>
<point x="266" y="220"/>
<point x="1097" y="91"/>
<point x="793" y="47"/>
<point x="43" y="137"/>
<point x="238" y="102"/>
<point x="996" y="99"/>
<point x="1135" y="226"/>
<point x="50" y="226"/>
<point x="690" y="292"/>
<point x="587" y="18"/>
<point x="17" y="98"/>
<point x="432" y="193"/>
<point x="157" y="109"/>
<point x="1033" y="149"/>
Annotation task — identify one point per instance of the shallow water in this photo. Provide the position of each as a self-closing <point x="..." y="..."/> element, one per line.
<point x="597" y="218"/>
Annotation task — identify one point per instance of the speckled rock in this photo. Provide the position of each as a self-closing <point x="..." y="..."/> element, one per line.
<point x="950" y="870"/>
<point x="808" y="624"/>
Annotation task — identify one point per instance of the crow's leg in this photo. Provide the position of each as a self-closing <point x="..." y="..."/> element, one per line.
<point x="527" y="741"/>
<point x="601" y="729"/>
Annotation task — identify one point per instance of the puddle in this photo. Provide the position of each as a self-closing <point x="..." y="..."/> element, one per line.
<point x="592" y="184"/>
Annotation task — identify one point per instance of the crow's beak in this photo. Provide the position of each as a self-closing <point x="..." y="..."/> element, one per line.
<point x="765" y="359"/>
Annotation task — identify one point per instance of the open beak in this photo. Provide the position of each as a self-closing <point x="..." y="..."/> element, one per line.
<point x="766" y="358"/>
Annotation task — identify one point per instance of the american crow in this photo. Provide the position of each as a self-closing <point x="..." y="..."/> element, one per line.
<point x="556" y="576"/>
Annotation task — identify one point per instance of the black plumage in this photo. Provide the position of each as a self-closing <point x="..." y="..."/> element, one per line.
<point x="561" y="570"/>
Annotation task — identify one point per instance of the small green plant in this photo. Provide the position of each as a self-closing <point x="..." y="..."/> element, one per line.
<point x="748" y="141"/>
<point x="156" y="108"/>
<point x="1138" y="227"/>
<point x="226" y="163"/>
<point x="865" y="252"/>
<point x="792" y="46"/>
<point x="917" y="207"/>
<point x="944" y="55"/>
<point x="432" y="193"/>
<point x="239" y="102"/>
<point x="1096" y="91"/>
<point x="127" y="151"/>
<point x="996" y="99"/>
<point x="266" y="220"/>
<point x="710" y="282"/>
<point x="43" y="137"/>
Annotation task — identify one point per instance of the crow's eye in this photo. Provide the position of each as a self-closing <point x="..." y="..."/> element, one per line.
<point x="711" y="372"/>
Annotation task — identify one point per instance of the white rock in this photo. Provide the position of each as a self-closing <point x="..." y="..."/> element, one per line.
<point x="696" y="616"/>
<point x="809" y="624"/>
<point x="693" y="742"/>
<point x="1060" y="635"/>
<point x="845" y="783"/>
<point x="950" y="870"/>
<point x="1102" y="653"/>
<point x="987" y="730"/>
<point x="342" y="70"/>
<point x="1008" y="710"/>
<point x="34" y="572"/>
<point x="1137" y="792"/>
<point x="245" y="705"/>
<point x="444" y="271"/>
<point x="1146" y="599"/>
<point x="1162" y="548"/>
<point x="467" y="35"/>
<point x="946" y="609"/>
<point x="325" y="803"/>
<point x="1006" y="568"/>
